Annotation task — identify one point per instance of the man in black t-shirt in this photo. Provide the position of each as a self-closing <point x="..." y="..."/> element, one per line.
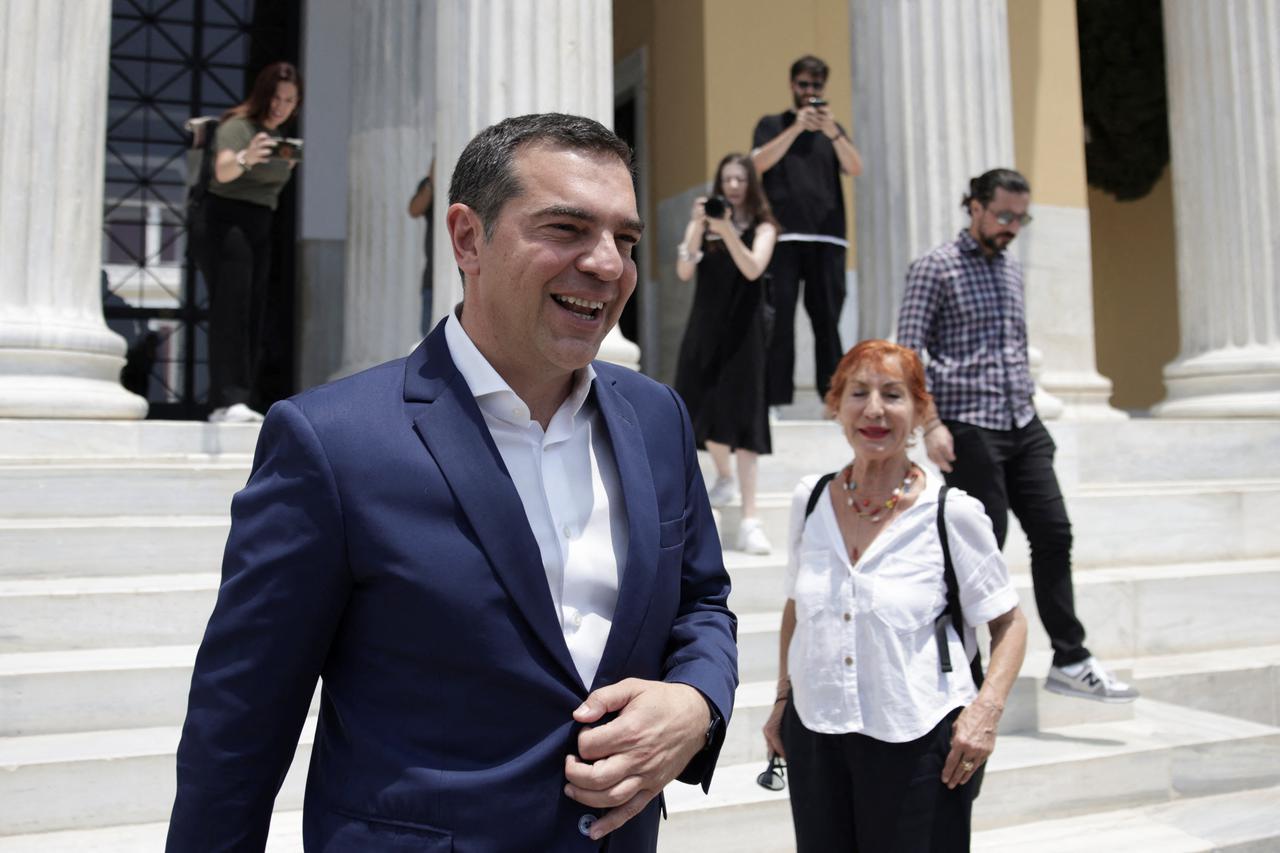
<point x="800" y="154"/>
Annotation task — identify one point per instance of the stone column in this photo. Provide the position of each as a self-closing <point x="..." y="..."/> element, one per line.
<point x="502" y="58"/>
<point x="1222" y="60"/>
<point x="392" y="69"/>
<point x="58" y="359"/>
<point x="931" y="109"/>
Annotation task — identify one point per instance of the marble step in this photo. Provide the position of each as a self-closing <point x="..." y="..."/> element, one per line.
<point x="1240" y="821"/>
<point x="1088" y="452"/>
<point x="120" y="545"/>
<point x="1162" y="754"/>
<point x="1129" y="612"/>
<point x="104" y="778"/>
<point x="118" y="487"/>
<point x="1131" y="523"/>
<point x="79" y="440"/>
<point x="52" y="614"/>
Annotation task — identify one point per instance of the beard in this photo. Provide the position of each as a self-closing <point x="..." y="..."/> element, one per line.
<point x="996" y="243"/>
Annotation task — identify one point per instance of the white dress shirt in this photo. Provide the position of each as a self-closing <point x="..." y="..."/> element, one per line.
<point x="864" y="657"/>
<point x="567" y="479"/>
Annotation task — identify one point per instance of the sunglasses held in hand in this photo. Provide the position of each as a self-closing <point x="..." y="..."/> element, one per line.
<point x="773" y="777"/>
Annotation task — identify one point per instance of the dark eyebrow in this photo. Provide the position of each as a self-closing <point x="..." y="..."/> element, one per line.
<point x="586" y="216"/>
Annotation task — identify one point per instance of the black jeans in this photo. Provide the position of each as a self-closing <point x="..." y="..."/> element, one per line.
<point x="236" y="263"/>
<point x="851" y="792"/>
<point x="821" y="267"/>
<point x="1013" y="470"/>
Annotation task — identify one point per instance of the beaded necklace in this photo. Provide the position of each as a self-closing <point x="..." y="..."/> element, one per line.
<point x="864" y="508"/>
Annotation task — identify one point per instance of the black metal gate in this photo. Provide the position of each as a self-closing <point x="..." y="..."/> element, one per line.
<point x="171" y="60"/>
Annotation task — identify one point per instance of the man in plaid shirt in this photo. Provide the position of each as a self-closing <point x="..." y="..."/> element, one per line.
<point x="963" y="311"/>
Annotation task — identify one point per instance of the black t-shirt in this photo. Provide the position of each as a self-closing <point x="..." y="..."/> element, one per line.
<point x="804" y="186"/>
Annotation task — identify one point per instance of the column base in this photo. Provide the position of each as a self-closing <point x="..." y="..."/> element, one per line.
<point x="1080" y="396"/>
<point x="1241" y="382"/>
<point x="64" y="371"/>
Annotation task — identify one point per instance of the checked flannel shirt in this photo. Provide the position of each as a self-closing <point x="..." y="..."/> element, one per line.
<point x="966" y="313"/>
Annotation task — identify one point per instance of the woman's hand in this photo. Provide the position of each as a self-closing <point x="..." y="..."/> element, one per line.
<point x="973" y="737"/>
<point x="699" y="212"/>
<point x="260" y="149"/>
<point x="773" y="729"/>
<point x="721" y="227"/>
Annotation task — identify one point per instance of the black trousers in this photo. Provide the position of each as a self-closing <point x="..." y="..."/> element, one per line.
<point x="1013" y="470"/>
<point x="236" y="263"/>
<point x="855" y="793"/>
<point x="821" y="267"/>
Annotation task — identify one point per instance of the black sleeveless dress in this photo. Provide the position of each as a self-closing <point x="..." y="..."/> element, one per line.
<point x="721" y="371"/>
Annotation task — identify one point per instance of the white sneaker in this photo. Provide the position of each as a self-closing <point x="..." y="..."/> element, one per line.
<point x="238" y="413"/>
<point x="1088" y="680"/>
<point x="751" y="538"/>
<point x="217" y="416"/>
<point x="724" y="492"/>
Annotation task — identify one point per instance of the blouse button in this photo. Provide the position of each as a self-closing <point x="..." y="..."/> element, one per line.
<point x="848" y="661"/>
<point x="848" y="617"/>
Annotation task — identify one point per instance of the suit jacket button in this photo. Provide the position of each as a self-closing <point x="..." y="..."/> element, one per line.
<point x="585" y="823"/>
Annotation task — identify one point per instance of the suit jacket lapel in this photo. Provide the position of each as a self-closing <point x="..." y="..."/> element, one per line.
<point x="641" y="502"/>
<point x="453" y="429"/>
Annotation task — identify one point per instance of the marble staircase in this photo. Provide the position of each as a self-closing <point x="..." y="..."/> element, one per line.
<point x="111" y="537"/>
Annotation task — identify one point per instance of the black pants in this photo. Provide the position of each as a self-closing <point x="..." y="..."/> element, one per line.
<point x="855" y="793"/>
<point x="1013" y="469"/>
<point x="821" y="267"/>
<point x="236" y="263"/>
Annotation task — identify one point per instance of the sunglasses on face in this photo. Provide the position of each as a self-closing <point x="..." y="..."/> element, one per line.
<point x="773" y="777"/>
<point x="808" y="84"/>
<point x="1006" y="217"/>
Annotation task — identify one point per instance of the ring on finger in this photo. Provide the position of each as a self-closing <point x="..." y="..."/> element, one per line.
<point x="966" y="765"/>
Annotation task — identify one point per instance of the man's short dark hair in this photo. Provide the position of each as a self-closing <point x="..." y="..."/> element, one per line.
<point x="983" y="188"/>
<point x="484" y="178"/>
<point x="810" y="64"/>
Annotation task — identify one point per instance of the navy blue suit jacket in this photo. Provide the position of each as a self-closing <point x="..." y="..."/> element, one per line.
<point x="381" y="545"/>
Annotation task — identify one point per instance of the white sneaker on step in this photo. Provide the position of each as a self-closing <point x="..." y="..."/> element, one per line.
<point x="237" y="413"/>
<point x="751" y="538"/>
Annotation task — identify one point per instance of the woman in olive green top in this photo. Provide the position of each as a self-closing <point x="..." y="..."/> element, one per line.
<point x="248" y="174"/>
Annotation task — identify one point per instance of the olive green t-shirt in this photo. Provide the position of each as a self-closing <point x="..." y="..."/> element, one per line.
<point x="261" y="184"/>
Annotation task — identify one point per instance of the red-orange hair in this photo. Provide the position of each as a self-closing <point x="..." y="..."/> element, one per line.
<point x="877" y="353"/>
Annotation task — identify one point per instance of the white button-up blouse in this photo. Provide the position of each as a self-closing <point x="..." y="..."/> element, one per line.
<point x="863" y="657"/>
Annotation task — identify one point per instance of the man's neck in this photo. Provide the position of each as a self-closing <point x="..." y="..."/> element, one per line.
<point x="987" y="251"/>
<point x="543" y="392"/>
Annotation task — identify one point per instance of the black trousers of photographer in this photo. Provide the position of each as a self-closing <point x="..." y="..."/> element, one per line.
<point x="850" y="792"/>
<point x="821" y="267"/>
<point x="236" y="263"/>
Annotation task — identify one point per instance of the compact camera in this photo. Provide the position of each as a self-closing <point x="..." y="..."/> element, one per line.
<point x="289" y="148"/>
<point x="716" y="206"/>
<point x="817" y="102"/>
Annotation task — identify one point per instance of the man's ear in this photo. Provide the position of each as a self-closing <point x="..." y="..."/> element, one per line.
<point x="466" y="234"/>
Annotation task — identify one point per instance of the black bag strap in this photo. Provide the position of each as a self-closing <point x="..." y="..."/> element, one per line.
<point x="816" y="494"/>
<point x="952" y="613"/>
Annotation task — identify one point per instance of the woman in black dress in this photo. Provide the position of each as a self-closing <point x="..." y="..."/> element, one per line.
<point x="722" y="358"/>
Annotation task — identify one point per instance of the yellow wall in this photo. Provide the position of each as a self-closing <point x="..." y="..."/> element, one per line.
<point x="1135" y="292"/>
<point x="1048" y="123"/>
<point x="1133" y="243"/>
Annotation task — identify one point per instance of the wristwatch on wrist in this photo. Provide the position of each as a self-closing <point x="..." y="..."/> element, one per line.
<point x="713" y="727"/>
<point x="240" y="159"/>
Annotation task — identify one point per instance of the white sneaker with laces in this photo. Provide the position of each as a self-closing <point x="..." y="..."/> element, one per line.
<point x="1088" y="680"/>
<point x="724" y="492"/>
<point x="751" y="538"/>
<point x="239" y="413"/>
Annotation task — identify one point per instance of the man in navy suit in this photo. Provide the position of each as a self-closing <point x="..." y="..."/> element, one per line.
<point x="497" y="554"/>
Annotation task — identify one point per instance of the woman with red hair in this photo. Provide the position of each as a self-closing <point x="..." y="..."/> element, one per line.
<point x="888" y="575"/>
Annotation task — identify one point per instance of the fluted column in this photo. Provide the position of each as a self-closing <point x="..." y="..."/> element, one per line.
<point x="502" y="58"/>
<point x="392" y="86"/>
<point x="931" y="109"/>
<point x="57" y="357"/>
<point x="1222" y="62"/>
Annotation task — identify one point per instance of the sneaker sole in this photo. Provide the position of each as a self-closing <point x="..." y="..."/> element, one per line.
<point x="1062" y="690"/>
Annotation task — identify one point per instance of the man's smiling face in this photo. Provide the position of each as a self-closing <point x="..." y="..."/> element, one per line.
<point x="556" y="272"/>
